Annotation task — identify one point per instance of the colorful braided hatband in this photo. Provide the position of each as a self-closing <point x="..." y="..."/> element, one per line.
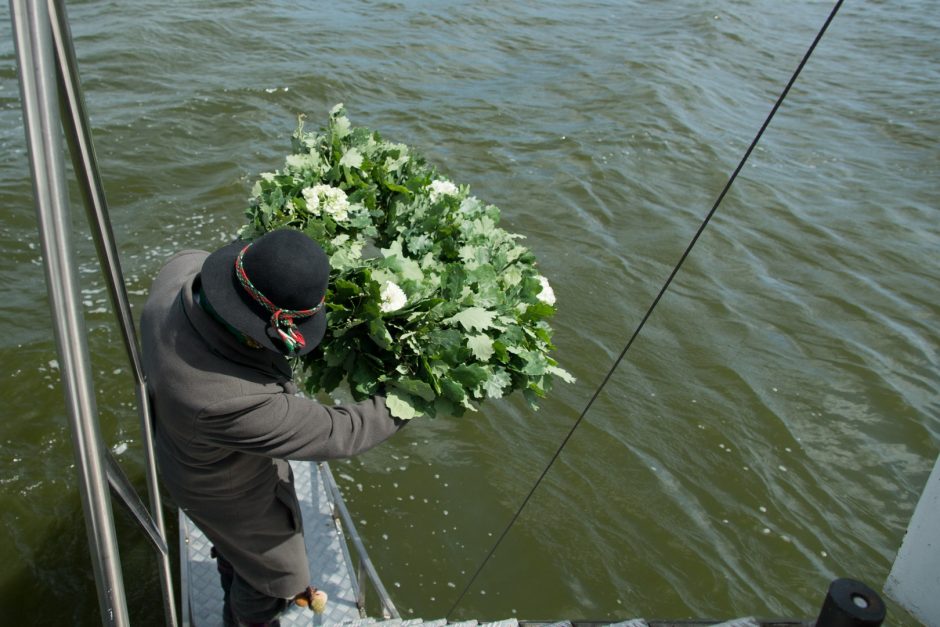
<point x="282" y="320"/>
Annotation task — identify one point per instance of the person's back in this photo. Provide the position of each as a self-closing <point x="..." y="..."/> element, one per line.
<point x="226" y="413"/>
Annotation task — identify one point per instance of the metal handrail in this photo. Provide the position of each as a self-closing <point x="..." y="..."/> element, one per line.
<point x="85" y="163"/>
<point x="52" y="101"/>
<point x="40" y="113"/>
<point x="48" y="72"/>
<point x="340" y="510"/>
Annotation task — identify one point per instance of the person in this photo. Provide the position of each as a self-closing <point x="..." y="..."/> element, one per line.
<point x="216" y="332"/>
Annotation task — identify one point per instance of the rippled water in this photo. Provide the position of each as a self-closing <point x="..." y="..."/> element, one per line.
<point x="771" y="429"/>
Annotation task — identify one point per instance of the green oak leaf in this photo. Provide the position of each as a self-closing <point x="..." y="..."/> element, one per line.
<point x="536" y="363"/>
<point x="562" y="374"/>
<point x="401" y="405"/>
<point x="497" y="383"/>
<point x="470" y="375"/>
<point x="473" y="318"/>
<point x="416" y="387"/>
<point x="379" y="333"/>
<point x="481" y="346"/>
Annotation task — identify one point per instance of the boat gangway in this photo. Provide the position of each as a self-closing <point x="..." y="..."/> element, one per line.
<point x="327" y="526"/>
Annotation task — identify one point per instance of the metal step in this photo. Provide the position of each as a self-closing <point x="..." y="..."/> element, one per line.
<point x="331" y="572"/>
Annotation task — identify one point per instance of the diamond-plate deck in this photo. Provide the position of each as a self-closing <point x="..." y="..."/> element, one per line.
<point x="326" y="551"/>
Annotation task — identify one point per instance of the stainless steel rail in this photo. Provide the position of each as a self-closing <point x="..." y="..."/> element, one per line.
<point x="340" y="513"/>
<point x="52" y="102"/>
<point x="85" y="164"/>
<point x="52" y="99"/>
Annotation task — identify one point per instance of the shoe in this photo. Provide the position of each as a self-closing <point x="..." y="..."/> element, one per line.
<point x="313" y="599"/>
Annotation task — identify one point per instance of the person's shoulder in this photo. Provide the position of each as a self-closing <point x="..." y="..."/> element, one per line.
<point x="188" y="256"/>
<point x="177" y="270"/>
<point x="184" y="262"/>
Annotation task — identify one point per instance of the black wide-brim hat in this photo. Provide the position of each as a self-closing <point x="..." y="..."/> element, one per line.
<point x="286" y="267"/>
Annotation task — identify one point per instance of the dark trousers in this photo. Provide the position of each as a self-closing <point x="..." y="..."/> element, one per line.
<point x="245" y="606"/>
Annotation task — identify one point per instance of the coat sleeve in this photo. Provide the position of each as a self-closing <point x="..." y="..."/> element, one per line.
<point x="293" y="427"/>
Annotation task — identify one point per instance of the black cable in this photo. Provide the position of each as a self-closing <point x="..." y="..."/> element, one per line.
<point x="659" y="296"/>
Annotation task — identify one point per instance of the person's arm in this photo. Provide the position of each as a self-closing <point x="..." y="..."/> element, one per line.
<point x="294" y="427"/>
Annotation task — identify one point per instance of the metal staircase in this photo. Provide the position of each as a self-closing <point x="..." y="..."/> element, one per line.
<point x="326" y="528"/>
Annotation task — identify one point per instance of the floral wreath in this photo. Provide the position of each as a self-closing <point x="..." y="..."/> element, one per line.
<point x="430" y="301"/>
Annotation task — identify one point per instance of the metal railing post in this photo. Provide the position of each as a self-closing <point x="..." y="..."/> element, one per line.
<point x="388" y="607"/>
<point x="81" y="148"/>
<point x="37" y="74"/>
<point x="361" y="595"/>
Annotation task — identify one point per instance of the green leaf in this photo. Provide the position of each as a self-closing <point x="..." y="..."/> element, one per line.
<point x="395" y="187"/>
<point x="532" y="398"/>
<point x="511" y="277"/>
<point x="330" y="379"/>
<point x="316" y="230"/>
<point x="481" y="346"/>
<point x="453" y="391"/>
<point x="473" y="318"/>
<point x="470" y="375"/>
<point x="335" y="353"/>
<point x="501" y="353"/>
<point x="379" y="333"/>
<point x="452" y="281"/>
<point x="411" y="270"/>
<point x="401" y="405"/>
<point x="447" y="345"/>
<point x="496" y="384"/>
<point x="443" y="407"/>
<point x="344" y="289"/>
<point x="536" y="363"/>
<point x="562" y="374"/>
<point x="363" y="378"/>
<point x="415" y="387"/>
<point x="537" y="311"/>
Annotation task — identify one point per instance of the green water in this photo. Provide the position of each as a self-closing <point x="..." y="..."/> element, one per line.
<point x="770" y="430"/>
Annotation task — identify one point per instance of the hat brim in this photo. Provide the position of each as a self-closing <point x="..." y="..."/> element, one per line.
<point x="236" y="306"/>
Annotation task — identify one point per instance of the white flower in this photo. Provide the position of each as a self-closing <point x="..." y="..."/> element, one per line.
<point x="313" y="200"/>
<point x="547" y="295"/>
<point x="393" y="298"/>
<point x="442" y="188"/>
<point x="330" y="200"/>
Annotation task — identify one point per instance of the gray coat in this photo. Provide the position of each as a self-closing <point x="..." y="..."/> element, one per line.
<point x="226" y="417"/>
